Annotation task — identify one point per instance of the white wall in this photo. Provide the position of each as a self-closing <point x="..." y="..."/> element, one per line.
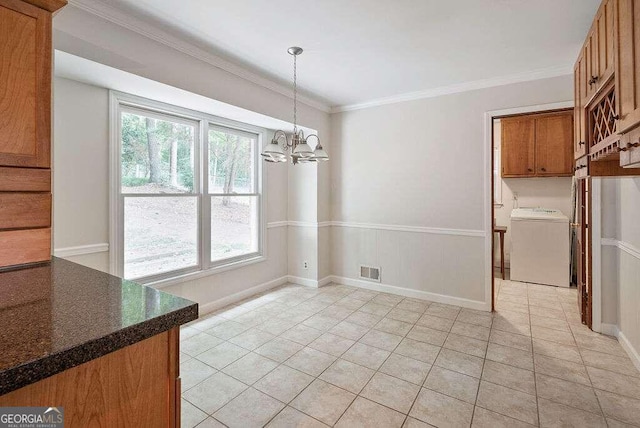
<point x="620" y="266"/>
<point x="547" y="192"/>
<point x="420" y="165"/>
<point x="629" y="263"/>
<point x="81" y="169"/>
<point x="610" y="208"/>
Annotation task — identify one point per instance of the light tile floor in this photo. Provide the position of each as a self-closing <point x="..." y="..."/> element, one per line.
<point x="338" y="355"/>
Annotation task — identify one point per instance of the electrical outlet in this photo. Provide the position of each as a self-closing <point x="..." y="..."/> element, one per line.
<point x="305" y="265"/>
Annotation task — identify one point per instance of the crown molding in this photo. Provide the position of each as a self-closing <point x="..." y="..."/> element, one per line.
<point x="137" y="25"/>
<point x="460" y="87"/>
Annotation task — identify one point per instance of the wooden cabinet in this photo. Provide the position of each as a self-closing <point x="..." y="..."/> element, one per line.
<point x="554" y="148"/>
<point x="591" y="63"/>
<point x="25" y="125"/>
<point x="137" y="386"/>
<point x="607" y="93"/>
<point x="518" y="147"/>
<point x="25" y="130"/>
<point x="579" y="126"/>
<point x="630" y="149"/>
<point x="537" y="145"/>
<point x="627" y="64"/>
<point x="598" y="50"/>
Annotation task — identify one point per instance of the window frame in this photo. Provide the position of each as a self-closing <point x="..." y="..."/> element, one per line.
<point x="202" y="122"/>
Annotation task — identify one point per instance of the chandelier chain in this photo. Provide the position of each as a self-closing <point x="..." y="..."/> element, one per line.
<point x="295" y="95"/>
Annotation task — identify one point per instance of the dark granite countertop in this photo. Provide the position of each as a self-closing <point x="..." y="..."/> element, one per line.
<point x="62" y="314"/>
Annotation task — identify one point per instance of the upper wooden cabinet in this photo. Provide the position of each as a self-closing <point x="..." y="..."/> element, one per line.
<point x="579" y="119"/>
<point x="25" y="130"/>
<point x="25" y="100"/>
<point x="627" y="64"/>
<point x="598" y="51"/>
<point x="591" y="63"/>
<point x="518" y="147"/>
<point x="607" y="93"/>
<point x="537" y="145"/>
<point x="554" y="136"/>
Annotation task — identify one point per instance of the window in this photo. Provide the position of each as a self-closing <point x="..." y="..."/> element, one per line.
<point x="187" y="196"/>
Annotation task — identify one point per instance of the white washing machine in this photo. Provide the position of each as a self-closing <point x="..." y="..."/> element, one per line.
<point x="540" y="246"/>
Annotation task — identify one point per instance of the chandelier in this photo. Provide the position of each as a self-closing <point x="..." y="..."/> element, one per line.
<point x="298" y="144"/>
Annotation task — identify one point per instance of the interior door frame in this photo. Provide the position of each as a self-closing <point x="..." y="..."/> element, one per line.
<point x="488" y="186"/>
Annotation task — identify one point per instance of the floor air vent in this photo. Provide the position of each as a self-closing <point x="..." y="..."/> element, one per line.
<point x="370" y="273"/>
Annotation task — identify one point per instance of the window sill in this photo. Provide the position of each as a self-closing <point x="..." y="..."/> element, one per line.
<point x="191" y="276"/>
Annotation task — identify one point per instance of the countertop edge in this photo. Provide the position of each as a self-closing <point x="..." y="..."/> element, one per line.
<point x="47" y="366"/>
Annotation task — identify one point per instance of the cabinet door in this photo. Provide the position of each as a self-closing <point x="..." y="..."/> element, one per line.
<point x="554" y="136"/>
<point x="591" y="58"/>
<point x="25" y="98"/>
<point x="628" y="63"/>
<point x="579" y="147"/>
<point x="604" y="24"/>
<point x="518" y="135"/>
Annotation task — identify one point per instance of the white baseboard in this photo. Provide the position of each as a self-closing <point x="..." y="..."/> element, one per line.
<point x="81" y="250"/>
<point x="613" y="330"/>
<point x="631" y="351"/>
<point x="325" y="281"/>
<point x="609" y="329"/>
<point x="303" y="281"/>
<point x="407" y="292"/>
<point x="236" y="297"/>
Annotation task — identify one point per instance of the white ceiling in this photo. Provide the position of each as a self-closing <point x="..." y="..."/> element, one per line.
<point x="357" y="51"/>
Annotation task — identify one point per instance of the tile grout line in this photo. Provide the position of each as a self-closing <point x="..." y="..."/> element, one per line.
<point x="533" y="360"/>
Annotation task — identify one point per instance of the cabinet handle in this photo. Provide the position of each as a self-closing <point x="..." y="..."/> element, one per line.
<point x="529" y="169"/>
<point x="543" y="169"/>
<point x="581" y="143"/>
<point x="612" y="119"/>
<point x="628" y="146"/>
<point x="593" y="80"/>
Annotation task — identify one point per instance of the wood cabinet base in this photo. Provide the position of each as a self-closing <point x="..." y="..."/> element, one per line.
<point x="137" y="386"/>
<point x="611" y="169"/>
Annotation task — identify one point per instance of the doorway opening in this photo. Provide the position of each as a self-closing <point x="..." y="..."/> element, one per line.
<point x="531" y="172"/>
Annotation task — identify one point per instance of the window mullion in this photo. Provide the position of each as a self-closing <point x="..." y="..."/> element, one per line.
<point x="205" y="199"/>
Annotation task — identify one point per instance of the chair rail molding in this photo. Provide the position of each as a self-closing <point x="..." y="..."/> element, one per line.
<point x="377" y="226"/>
<point x="405" y="228"/>
<point x="621" y="245"/>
